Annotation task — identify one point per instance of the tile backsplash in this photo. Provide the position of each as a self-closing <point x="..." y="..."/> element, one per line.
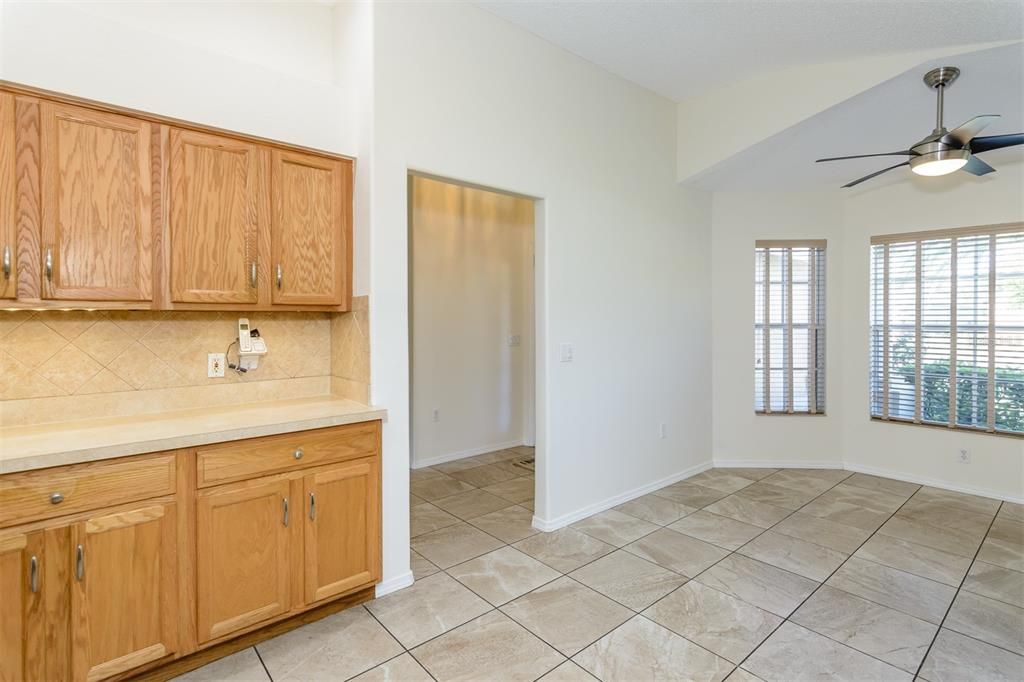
<point x="154" y="356"/>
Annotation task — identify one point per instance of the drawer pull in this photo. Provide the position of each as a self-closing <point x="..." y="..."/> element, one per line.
<point x="286" y="512"/>
<point x="79" y="563"/>
<point x="312" y="507"/>
<point x="56" y="498"/>
<point x="33" y="574"/>
<point x="298" y="453"/>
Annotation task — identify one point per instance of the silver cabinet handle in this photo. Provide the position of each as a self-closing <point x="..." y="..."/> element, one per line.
<point x="312" y="507"/>
<point x="79" y="563"/>
<point x="48" y="264"/>
<point x="7" y="262"/>
<point x="286" y="512"/>
<point x="252" y="275"/>
<point x="280" y="275"/>
<point x="56" y="498"/>
<point x="298" y="453"/>
<point x="33" y="574"/>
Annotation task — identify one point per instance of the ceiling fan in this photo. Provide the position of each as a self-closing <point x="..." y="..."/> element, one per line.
<point x="945" y="151"/>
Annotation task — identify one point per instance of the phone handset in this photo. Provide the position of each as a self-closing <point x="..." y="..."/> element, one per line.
<point x="244" y="340"/>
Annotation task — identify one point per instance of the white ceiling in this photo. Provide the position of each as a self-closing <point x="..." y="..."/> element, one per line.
<point x="888" y="117"/>
<point x="683" y="48"/>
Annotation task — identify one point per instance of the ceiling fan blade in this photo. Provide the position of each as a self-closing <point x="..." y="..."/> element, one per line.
<point x="965" y="132"/>
<point x="984" y="144"/>
<point x="976" y="166"/>
<point x="868" y="177"/>
<point x="864" y="156"/>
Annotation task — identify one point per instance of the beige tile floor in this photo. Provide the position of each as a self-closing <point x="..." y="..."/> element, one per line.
<point x="738" y="574"/>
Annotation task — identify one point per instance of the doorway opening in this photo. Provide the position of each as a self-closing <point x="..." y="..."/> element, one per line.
<point x="473" y="368"/>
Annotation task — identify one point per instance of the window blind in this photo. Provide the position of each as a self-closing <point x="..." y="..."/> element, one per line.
<point x="947" y="328"/>
<point x="789" y="327"/>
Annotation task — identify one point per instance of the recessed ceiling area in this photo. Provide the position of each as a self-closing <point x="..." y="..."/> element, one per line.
<point x="682" y="49"/>
<point x="889" y="117"/>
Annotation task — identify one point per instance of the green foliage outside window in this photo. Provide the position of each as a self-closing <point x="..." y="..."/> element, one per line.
<point x="971" y="395"/>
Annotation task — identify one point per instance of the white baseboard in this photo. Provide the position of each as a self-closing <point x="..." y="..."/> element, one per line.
<point x="565" y="519"/>
<point x="934" y="483"/>
<point x="776" y="464"/>
<point x="394" y="584"/>
<point x="471" y="452"/>
<point x="874" y="471"/>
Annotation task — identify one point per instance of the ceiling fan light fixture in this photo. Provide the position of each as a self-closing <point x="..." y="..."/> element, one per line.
<point x="942" y="162"/>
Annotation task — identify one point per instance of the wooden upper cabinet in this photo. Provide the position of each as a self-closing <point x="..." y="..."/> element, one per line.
<point x="243" y="550"/>
<point x="310" y="231"/>
<point x="342" y="538"/>
<point x="21" y="627"/>
<point x="97" y="223"/>
<point x="124" y="590"/>
<point x="8" y="200"/>
<point x="214" y="218"/>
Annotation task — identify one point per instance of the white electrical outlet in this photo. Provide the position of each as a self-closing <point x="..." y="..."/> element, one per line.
<point x="661" y="431"/>
<point x="215" y="365"/>
<point x="565" y="352"/>
<point x="514" y="340"/>
<point x="437" y="415"/>
<point x="965" y="457"/>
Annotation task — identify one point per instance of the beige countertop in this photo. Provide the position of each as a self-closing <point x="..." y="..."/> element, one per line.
<point x="36" y="447"/>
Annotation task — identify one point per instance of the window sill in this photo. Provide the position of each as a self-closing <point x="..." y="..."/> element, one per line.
<point x="951" y="429"/>
<point x="790" y="414"/>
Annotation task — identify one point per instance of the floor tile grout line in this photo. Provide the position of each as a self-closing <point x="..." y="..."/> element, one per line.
<point x="957" y="594"/>
<point x="787" y="619"/>
<point x="265" y="668"/>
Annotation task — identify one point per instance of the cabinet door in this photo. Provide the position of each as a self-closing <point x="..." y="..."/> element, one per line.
<point x="8" y="201"/>
<point x="242" y="555"/>
<point x="21" y="627"/>
<point x="310" y="232"/>
<point x="124" y="587"/>
<point x="97" y="221"/>
<point x="342" y="539"/>
<point x="214" y="225"/>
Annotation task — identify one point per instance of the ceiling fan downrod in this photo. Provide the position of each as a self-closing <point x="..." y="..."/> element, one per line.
<point x="938" y="79"/>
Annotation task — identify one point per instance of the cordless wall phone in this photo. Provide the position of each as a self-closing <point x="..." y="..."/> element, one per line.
<point x="244" y="340"/>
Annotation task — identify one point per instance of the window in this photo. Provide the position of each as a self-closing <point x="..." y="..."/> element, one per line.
<point x="789" y="327"/>
<point x="947" y="328"/>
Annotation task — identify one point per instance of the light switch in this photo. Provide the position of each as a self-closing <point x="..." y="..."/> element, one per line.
<point x="565" y="352"/>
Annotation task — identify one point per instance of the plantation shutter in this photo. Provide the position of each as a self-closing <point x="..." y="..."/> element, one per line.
<point x="789" y="327"/>
<point x="947" y="328"/>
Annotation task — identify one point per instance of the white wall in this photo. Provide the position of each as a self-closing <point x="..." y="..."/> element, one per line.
<point x="623" y="250"/>
<point x="924" y="454"/>
<point x="740" y="436"/>
<point x="847" y="437"/>
<point x="471" y="262"/>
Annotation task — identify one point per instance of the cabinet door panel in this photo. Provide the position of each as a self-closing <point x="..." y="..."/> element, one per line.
<point x="96" y="212"/>
<point x="310" y="232"/>
<point x="123" y="597"/>
<point x="213" y="219"/>
<point x="342" y="540"/>
<point x="8" y="200"/>
<point x="21" y="627"/>
<point x="242" y="552"/>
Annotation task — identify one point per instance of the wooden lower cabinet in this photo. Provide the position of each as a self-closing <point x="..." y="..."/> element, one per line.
<point x="109" y="591"/>
<point x="342" y="537"/>
<point x="124" y="590"/>
<point x="21" y="625"/>
<point x="244" y="555"/>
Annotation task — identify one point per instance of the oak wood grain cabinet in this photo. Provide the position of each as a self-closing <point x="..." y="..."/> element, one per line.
<point x="96" y="184"/>
<point x="244" y="555"/>
<point x="21" y="627"/>
<point x="310" y="242"/>
<point x="214" y="221"/>
<point x="8" y="200"/>
<point x="124" y="590"/>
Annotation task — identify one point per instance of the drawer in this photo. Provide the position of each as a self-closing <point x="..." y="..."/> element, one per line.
<point x="227" y="462"/>
<point x="45" y="493"/>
